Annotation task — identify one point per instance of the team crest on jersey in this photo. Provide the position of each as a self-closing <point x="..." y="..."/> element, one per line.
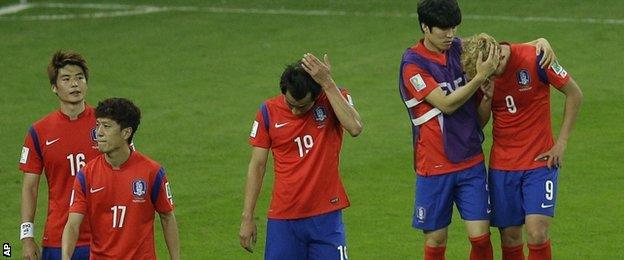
<point x="319" y="114"/>
<point x="139" y="190"/>
<point x="524" y="79"/>
<point x="421" y="214"/>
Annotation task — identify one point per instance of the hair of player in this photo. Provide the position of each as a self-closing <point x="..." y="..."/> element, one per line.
<point x="443" y="14"/>
<point x="296" y="81"/>
<point x="122" y="111"/>
<point x="61" y="59"/>
<point x="471" y="47"/>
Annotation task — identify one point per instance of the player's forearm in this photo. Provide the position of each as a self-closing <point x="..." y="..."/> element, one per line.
<point x="462" y="94"/>
<point x="30" y="191"/>
<point x="347" y="115"/>
<point x="170" y="231"/>
<point x="255" y="175"/>
<point x="574" y="98"/>
<point x="485" y="110"/>
<point x="70" y="236"/>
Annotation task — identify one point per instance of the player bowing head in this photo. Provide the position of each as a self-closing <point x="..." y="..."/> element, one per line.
<point x="525" y="158"/>
<point x="439" y="21"/>
<point x="299" y="88"/>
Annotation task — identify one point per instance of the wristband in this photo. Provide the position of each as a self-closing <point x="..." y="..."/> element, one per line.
<point x="27" y="229"/>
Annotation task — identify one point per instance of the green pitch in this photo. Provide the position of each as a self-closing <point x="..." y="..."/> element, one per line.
<point x="199" y="70"/>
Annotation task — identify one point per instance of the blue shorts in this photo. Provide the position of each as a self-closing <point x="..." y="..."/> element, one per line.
<point x="515" y="194"/>
<point x="317" y="237"/>
<point x="55" y="253"/>
<point x="435" y="195"/>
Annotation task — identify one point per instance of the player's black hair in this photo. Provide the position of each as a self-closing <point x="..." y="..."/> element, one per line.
<point x="298" y="82"/>
<point x="122" y="111"/>
<point x="61" y="59"/>
<point x="443" y="14"/>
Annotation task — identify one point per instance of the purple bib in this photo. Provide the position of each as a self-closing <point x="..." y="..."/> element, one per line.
<point x="461" y="133"/>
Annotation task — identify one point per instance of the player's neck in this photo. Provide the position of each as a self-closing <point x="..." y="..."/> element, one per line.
<point x="118" y="156"/>
<point x="431" y="47"/>
<point x="72" y="110"/>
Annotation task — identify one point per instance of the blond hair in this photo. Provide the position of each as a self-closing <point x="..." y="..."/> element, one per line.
<point x="471" y="47"/>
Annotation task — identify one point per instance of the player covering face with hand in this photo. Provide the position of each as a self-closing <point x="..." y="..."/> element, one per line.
<point x="303" y="128"/>
<point x="447" y="137"/>
<point x="525" y="159"/>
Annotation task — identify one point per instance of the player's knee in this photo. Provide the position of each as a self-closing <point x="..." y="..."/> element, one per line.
<point x="511" y="236"/>
<point x="511" y="239"/>
<point x="435" y="240"/>
<point x="537" y="235"/>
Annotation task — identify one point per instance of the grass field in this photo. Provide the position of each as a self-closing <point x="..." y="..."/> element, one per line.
<point x="199" y="69"/>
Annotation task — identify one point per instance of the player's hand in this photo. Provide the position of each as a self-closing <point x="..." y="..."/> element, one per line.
<point x="30" y="249"/>
<point x="554" y="156"/>
<point x="248" y="234"/>
<point x="488" y="67"/>
<point x="319" y="71"/>
<point x="549" y="56"/>
<point x="488" y="89"/>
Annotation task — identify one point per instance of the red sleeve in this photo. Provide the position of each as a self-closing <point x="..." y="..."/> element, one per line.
<point x="557" y="75"/>
<point x="78" y="201"/>
<point x="259" y="135"/>
<point x="418" y="82"/>
<point x="162" y="195"/>
<point x="347" y="95"/>
<point x="30" y="160"/>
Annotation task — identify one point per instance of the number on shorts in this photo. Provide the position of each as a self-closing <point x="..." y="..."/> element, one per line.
<point x="549" y="190"/>
<point x="343" y="252"/>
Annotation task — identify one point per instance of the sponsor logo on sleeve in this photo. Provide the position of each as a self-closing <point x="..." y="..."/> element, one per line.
<point x="558" y="69"/>
<point x="169" y="194"/>
<point x="418" y="82"/>
<point x="254" y="129"/>
<point x="24" y="157"/>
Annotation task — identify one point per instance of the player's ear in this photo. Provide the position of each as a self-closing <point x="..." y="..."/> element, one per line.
<point x="126" y="132"/>
<point x="424" y="27"/>
<point x="54" y="88"/>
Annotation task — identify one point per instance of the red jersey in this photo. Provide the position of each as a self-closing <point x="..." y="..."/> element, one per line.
<point x="60" y="147"/>
<point x="521" y="110"/>
<point x="430" y="156"/>
<point x="120" y="204"/>
<point x="306" y="151"/>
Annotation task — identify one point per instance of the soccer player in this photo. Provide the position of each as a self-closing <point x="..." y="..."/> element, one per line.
<point x="119" y="191"/>
<point x="447" y="137"/>
<point x="59" y="145"/>
<point x="303" y="129"/>
<point x="524" y="161"/>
